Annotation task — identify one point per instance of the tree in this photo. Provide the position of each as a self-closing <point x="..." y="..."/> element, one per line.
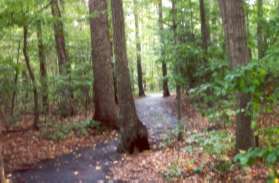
<point x="32" y="77"/>
<point x="43" y="70"/>
<point x="235" y="30"/>
<point x="166" y="91"/>
<point x="2" y="169"/>
<point x="66" y="107"/>
<point x="260" y="34"/>
<point x="134" y="135"/>
<point x="138" y="47"/>
<point x="205" y="34"/>
<point x="204" y="27"/>
<point x="15" y="81"/>
<point x="104" y="96"/>
<point x="177" y="69"/>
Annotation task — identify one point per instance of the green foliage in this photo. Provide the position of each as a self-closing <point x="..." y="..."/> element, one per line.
<point x="173" y="171"/>
<point x="7" y="70"/>
<point x="223" y="166"/>
<point x="257" y="79"/>
<point x="270" y="156"/>
<point x="270" y="135"/>
<point x="59" y="131"/>
<point x="173" y="135"/>
<point x="216" y="143"/>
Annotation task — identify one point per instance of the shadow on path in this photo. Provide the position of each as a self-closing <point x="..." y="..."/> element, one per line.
<point x="93" y="164"/>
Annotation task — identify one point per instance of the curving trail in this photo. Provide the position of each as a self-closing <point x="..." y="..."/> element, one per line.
<point x="93" y="164"/>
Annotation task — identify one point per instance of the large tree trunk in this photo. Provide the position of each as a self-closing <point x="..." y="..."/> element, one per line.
<point x="177" y="69"/>
<point x="233" y="14"/>
<point x="32" y="77"/>
<point x="138" y="47"/>
<point x="66" y="107"/>
<point x="134" y="135"/>
<point x="43" y="70"/>
<point x="166" y="92"/>
<point x="104" y="96"/>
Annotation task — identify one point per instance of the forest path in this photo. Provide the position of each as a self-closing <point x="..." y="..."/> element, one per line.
<point x="93" y="164"/>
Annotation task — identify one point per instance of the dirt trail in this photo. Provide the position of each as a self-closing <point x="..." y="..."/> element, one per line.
<point x="92" y="164"/>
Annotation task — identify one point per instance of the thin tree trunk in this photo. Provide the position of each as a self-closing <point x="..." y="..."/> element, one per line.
<point x="66" y="107"/>
<point x="32" y="77"/>
<point x="134" y="135"/>
<point x="191" y="17"/>
<point x="166" y="92"/>
<point x="15" y="82"/>
<point x="260" y="43"/>
<point x="204" y="27"/>
<point x="205" y="42"/>
<point x="104" y="95"/>
<point x="246" y="5"/>
<point x="115" y="83"/>
<point x="177" y="69"/>
<point x="2" y="168"/>
<point x="138" y="47"/>
<point x="225" y="22"/>
<point x="260" y="35"/>
<point x="43" y="70"/>
<point x="235" y="30"/>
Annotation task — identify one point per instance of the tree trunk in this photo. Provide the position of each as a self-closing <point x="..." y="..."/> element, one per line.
<point x="166" y="92"/>
<point x="138" y="47"/>
<point x="104" y="96"/>
<point x="233" y="13"/>
<point x="260" y="34"/>
<point x="32" y="77"/>
<point x="66" y="107"/>
<point x="2" y="168"/>
<point x="43" y="70"/>
<point x="177" y="69"/>
<point x="261" y="44"/>
<point x="115" y="83"/>
<point x="204" y="27"/>
<point x="205" y="33"/>
<point x="15" y="82"/>
<point x="134" y="135"/>
<point x="225" y="22"/>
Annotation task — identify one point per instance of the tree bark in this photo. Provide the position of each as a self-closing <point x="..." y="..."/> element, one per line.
<point x="138" y="47"/>
<point x="205" y="33"/>
<point x="2" y="168"/>
<point x="166" y="92"/>
<point x="32" y="77"/>
<point x="225" y="22"/>
<point x="134" y="135"/>
<point x="233" y="13"/>
<point x="104" y="96"/>
<point x="177" y="69"/>
<point x="204" y="27"/>
<point x="66" y="107"/>
<point x="43" y="69"/>
<point x="260" y="34"/>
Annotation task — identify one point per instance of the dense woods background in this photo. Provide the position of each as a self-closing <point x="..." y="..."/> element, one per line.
<point x="65" y="58"/>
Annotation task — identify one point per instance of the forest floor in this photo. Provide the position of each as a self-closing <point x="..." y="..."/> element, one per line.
<point x="93" y="164"/>
<point x="93" y="157"/>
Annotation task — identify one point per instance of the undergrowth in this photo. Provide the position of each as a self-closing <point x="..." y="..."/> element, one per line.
<point x="59" y="131"/>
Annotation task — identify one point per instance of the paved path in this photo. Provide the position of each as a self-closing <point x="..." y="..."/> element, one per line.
<point x="92" y="165"/>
